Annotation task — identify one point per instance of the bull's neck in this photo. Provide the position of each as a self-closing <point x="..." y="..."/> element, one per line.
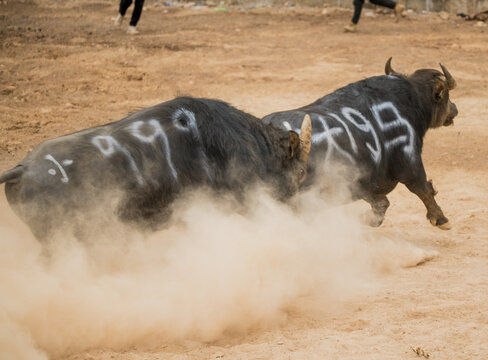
<point x="424" y="108"/>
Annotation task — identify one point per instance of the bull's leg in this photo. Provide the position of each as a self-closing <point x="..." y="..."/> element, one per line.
<point x="426" y="192"/>
<point x="379" y="205"/>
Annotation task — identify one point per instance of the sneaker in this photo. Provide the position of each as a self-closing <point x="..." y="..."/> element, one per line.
<point x="399" y="8"/>
<point x="118" y="20"/>
<point x="350" y="28"/>
<point x="132" y="30"/>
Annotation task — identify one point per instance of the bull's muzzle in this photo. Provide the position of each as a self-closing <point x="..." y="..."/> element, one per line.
<point x="453" y="111"/>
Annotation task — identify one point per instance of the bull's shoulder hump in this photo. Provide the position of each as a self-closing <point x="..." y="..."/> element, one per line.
<point x="291" y="116"/>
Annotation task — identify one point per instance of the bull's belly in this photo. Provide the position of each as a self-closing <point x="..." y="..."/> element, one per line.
<point x="375" y="187"/>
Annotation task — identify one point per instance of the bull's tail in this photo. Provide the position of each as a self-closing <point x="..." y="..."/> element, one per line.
<point x="12" y="175"/>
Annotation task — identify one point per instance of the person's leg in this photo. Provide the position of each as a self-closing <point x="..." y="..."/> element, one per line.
<point x="136" y="13"/>
<point x="124" y="5"/>
<point x="358" y="6"/>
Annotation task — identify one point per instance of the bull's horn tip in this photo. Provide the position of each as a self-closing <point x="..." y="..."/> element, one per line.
<point x="307" y="122"/>
<point x="388" y="69"/>
<point x="305" y="137"/>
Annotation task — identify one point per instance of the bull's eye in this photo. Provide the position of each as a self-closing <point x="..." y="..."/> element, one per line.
<point x="302" y="174"/>
<point x="183" y="121"/>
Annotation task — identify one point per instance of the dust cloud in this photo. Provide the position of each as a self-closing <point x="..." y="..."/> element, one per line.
<point x="213" y="272"/>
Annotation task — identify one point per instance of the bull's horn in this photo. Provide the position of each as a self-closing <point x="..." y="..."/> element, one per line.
<point x="451" y="83"/>
<point x="389" y="70"/>
<point x="12" y="175"/>
<point x="305" y="138"/>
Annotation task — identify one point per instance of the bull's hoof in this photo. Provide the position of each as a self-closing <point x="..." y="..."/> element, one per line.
<point x="442" y="224"/>
<point x="445" y="226"/>
<point x="376" y="222"/>
<point x="372" y="219"/>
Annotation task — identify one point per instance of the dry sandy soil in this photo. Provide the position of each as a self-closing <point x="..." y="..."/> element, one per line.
<point x="65" y="67"/>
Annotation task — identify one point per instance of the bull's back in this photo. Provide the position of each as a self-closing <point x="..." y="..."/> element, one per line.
<point x="362" y="128"/>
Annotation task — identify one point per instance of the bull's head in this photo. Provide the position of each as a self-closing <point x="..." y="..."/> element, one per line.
<point x="296" y="159"/>
<point x="445" y="110"/>
<point x="438" y="85"/>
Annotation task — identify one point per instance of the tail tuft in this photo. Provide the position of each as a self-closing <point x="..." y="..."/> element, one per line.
<point x="12" y="175"/>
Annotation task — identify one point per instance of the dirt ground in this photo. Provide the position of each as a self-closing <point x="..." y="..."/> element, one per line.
<point x="65" y="67"/>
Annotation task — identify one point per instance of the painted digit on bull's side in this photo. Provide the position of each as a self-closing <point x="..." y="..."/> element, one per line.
<point x="64" y="178"/>
<point x="108" y="146"/>
<point x="157" y="131"/>
<point x="185" y="120"/>
<point x="351" y="115"/>
<point x="405" y="139"/>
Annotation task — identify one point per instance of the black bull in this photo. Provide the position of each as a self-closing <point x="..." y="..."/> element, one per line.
<point x="147" y="158"/>
<point x="374" y="129"/>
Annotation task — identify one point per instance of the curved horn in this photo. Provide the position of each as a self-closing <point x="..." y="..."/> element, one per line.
<point x="451" y="83"/>
<point x="12" y="174"/>
<point x="389" y="70"/>
<point x="305" y="138"/>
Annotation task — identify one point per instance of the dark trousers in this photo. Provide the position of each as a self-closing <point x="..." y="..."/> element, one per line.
<point x="358" y="6"/>
<point x="136" y="13"/>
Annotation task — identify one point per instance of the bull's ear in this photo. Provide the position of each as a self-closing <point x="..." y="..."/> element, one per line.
<point x="293" y="144"/>
<point x="440" y="90"/>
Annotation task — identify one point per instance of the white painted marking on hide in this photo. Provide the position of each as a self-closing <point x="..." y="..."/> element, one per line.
<point x="108" y="146"/>
<point x="398" y="140"/>
<point x="328" y="135"/>
<point x="190" y="117"/>
<point x="64" y="178"/>
<point x="158" y="131"/>
<point x="398" y="122"/>
<point x="67" y="162"/>
<point x="192" y="128"/>
<point x="360" y="122"/>
<point x="351" y="114"/>
<point x="351" y="138"/>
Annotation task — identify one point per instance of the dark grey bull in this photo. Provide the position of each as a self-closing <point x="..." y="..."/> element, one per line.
<point x="376" y="127"/>
<point x="149" y="157"/>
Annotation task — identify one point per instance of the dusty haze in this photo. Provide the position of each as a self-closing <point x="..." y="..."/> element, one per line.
<point x="213" y="273"/>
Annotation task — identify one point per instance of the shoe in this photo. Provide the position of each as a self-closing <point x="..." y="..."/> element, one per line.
<point x="399" y="8"/>
<point x="350" y="28"/>
<point x="132" y="30"/>
<point x="118" y="20"/>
